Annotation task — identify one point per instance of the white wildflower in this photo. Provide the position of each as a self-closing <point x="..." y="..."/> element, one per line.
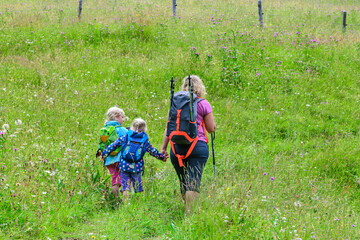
<point x="5" y="127"/>
<point x="297" y="204"/>
<point x="18" y="122"/>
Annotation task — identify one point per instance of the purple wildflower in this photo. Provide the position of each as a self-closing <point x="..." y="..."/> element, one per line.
<point x="264" y="173"/>
<point x="272" y="178"/>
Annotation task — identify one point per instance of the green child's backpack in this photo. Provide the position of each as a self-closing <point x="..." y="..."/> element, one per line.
<point x="108" y="135"/>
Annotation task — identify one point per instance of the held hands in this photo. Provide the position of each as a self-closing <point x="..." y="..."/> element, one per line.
<point x="165" y="153"/>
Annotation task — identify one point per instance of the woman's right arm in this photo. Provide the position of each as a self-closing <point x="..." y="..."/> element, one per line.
<point x="165" y="140"/>
<point x="165" y="144"/>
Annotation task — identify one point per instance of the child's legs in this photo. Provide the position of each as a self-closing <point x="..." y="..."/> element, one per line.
<point x="115" y="177"/>
<point x="126" y="181"/>
<point x="136" y="178"/>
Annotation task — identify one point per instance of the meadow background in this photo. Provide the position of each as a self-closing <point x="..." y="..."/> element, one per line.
<point x="285" y="99"/>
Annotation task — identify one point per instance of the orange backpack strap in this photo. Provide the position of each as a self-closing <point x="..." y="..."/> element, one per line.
<point x="202" y="124"/>
<point x="182" y="157"/>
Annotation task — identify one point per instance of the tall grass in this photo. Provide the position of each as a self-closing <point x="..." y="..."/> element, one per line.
<point x="285" y="99"/>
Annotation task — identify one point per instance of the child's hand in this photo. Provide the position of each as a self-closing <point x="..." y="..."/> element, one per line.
<point x="165" y="153"/>
<point x="164" y="159"/>
<point x="98" y="153"/>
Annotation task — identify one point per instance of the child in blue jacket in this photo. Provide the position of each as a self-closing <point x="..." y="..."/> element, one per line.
<point x="134" y="144"/>
<point x="115" y="117"/>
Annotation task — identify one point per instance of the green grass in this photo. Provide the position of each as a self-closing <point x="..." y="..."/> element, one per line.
<point x="285" y="100"/>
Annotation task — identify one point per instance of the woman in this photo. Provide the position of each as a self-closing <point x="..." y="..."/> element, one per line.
<point x="190" y="174"/>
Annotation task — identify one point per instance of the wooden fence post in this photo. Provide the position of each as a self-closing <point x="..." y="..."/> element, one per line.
<point x="344" y="20"/>
<point x="174" y="7"/>
<point x="260" y="13"/>
<point x="80" y="9"/>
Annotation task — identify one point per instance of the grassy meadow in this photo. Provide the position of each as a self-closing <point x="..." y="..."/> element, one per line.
<point x="285" y="98"/>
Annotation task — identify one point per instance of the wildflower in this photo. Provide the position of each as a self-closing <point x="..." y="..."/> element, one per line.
<point x="15" y="149"/>
<point x="18" y="122"/>
<point x="276" y="33"/>
<point x="197" y="54"/>
<point x="272" y="178"/>
<point x="264" y="173"/>
<point x="60" y="9"/>
<point x="2" y="133"/>
<point x="353" y="225"/>
<point x="5" y="127"/>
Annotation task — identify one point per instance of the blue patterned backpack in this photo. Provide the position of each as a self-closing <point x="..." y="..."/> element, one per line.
<point x="133" y="149"/>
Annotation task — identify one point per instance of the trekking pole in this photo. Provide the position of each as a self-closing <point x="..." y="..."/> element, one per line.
<point x="191" y="99"/>
<point x="172" y="86"/>
<point x="212" y="145"/>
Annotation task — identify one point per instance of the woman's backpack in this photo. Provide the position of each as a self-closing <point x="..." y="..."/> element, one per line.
<point x="181" y="126"/>
<point x="133" y="148"/>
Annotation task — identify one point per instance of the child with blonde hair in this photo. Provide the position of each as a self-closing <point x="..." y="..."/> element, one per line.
<point x="113" y="129"/>
<point x="134" y="145"/>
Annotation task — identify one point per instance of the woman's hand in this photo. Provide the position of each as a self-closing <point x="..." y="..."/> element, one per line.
<point x="165" y="153"/>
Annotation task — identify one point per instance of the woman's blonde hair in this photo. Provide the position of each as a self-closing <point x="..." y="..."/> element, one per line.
<point x="198" y="86"/>
<point x="138" y="125"/>
<point x="114" y="112"/>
